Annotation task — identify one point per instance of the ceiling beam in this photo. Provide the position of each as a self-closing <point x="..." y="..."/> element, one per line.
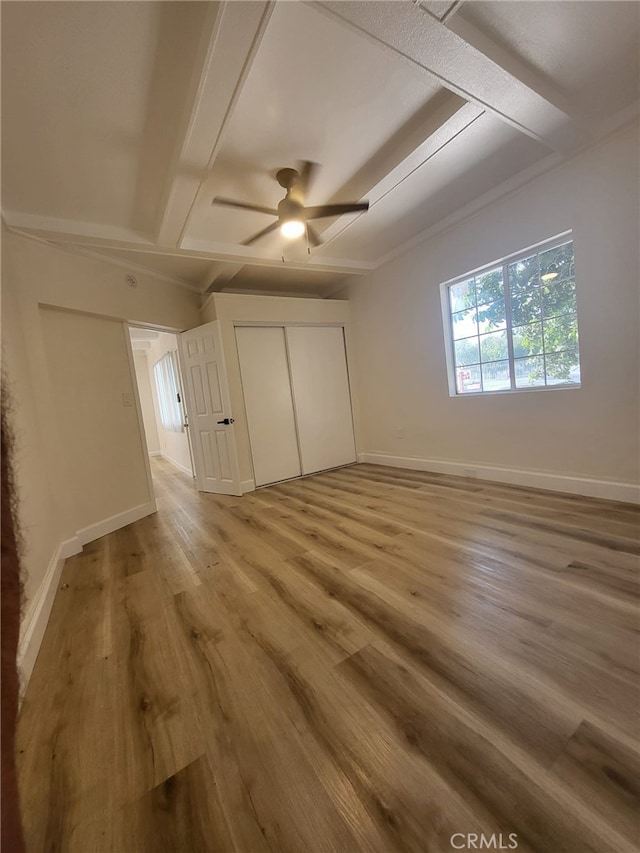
<point x="74" y="231"/>
<point x="509" y="62"/>
<point x="67" y="232"/>
<point x="422" y="39"/>
<point x="444" y="125"/>
<point x="230" y="41"/>
<point x="249" y="255"/>
<point x="221" y="277"/>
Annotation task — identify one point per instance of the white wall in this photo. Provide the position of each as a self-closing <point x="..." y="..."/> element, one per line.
<point x="41" y="520"/>
<point x="141" y="364"/>
<point x="36" y="274"/>
<point x="230" y="309"/>
<point x="174" y="446"/>
<point x="591" y="432"/>
<point x="94" y="403"/>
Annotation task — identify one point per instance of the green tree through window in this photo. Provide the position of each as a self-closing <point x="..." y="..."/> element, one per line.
<point x="515" y="325"/>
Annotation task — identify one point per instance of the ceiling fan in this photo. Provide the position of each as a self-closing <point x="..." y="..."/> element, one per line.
<point x="292" y="215"/>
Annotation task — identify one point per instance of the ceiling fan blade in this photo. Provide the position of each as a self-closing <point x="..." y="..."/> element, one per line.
<point x="274" y="225"/>
<point x="306" y="172"/>
<point x="242" y="205"/>
<point x="314" y="238"/>
<point x="334" y="209"/>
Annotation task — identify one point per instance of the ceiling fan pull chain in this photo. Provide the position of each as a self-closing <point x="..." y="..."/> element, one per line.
<point x="306" y="231"/>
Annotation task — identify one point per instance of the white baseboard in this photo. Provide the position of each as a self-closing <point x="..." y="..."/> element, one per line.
<point x="177" y="464"/>
<point x="115" y="522"/>
<point x="37" y="616"/>
<point x="155" y="453"/>
<point x="610" y="490"/>
<point x="247" y="486"/>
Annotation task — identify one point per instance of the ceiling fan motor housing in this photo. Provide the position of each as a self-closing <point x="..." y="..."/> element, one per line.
<point x="287" y="178"/>
<point x="289" y="208"/>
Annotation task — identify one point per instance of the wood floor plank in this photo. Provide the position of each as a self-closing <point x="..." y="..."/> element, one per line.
<point x="181" y="813"/>
<point x="368" y="659"/>
<point x="251" y="735"/>
<point x="540" y="818"/>
<point x="606" y="774"/>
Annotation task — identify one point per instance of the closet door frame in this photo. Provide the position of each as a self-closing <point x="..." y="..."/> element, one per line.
<point x="304" y="324"/>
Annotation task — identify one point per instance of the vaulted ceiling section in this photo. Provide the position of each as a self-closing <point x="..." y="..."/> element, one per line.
<point x="122" y="121"/>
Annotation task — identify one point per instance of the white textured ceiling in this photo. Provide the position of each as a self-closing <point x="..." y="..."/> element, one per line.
<point x="121" y="121"/>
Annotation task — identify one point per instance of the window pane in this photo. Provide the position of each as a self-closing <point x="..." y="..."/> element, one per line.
<point x="515" y="325"/>
<point x="523" y="275"/>
<point x="463" y="323"/>
<point x="563" y="368"/>
<point x="462" y="295"/>
<point x="561" y="333"/>
<point x="495" y="376"/>
<point x="492" y="317"/>
<point x="557" y="264"/>
<point x="466" y="351"/>
<point x="494" y="347"/>
<point x="558" y="298"/>
<point x="529" y="372"/>
<point x="489" y="286"/>
<point x="468" y="380"/>
<point x="526" y="308"/>
<point x="165" y="373"/>
<point x="527" y="340"/>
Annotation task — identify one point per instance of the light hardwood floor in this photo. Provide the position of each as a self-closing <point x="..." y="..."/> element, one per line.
<point x="369" y="659"/>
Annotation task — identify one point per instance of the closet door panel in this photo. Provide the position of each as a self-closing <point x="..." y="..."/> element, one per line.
<point x="268" y="403"/>
<point x="321" y="396"/>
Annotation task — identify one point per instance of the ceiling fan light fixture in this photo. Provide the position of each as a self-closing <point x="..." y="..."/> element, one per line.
<point x="292" y="228"/>
<point x="293" y="216"/>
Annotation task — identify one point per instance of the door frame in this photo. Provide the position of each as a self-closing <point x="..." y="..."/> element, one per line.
<point x="138" y="407"/>
<point x="128" y="324"/>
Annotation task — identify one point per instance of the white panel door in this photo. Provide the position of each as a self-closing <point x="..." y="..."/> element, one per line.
<point x="267" y="398"/>
<point x="210" y="422"/>
<point x="321" y="396"/>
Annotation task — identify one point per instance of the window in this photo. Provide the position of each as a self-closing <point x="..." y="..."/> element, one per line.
<point x="513" y="326"/>
<point x="166" y="376"/>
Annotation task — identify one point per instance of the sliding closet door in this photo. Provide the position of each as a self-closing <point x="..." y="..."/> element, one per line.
<point x="267" y="398"/>
<point x="321" y="396"/>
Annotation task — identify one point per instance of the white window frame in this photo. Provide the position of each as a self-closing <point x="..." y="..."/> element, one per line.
<point x="552" y="243"/>
<point x="165" y="372"/>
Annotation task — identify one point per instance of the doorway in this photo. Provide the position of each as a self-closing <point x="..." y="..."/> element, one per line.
<point x="157" y="373"/>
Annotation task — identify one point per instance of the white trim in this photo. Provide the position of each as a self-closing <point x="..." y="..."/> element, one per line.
<point x="155" y="453"/>
<point x="142" y="436"/>
<point x="590" y="487"/>
<point x="247" y="486"/>
<point x="176" y="464"/>
<point x="36" y="618"/>
<point x="115" y="522"/>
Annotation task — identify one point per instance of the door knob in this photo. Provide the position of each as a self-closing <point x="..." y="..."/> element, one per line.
<point x="226" y="421"/>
